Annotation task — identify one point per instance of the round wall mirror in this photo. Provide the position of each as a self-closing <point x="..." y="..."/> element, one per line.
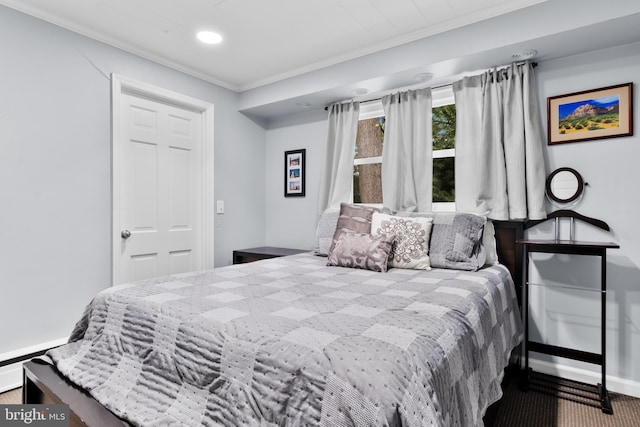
<point x="564" y="185"/>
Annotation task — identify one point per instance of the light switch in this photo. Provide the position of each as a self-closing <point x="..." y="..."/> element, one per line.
<point x="220" y="207"/>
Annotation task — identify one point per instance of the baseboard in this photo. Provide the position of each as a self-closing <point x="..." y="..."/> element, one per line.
<point x="614" y="384"/>
<point x="11" y="375"/>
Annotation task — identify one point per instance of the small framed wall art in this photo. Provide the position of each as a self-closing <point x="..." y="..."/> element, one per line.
<point x="294" y="173"/>
<point x="606" y="112"/>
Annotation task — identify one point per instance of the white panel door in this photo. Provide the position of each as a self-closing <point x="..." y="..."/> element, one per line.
<point x="160" y="189"/>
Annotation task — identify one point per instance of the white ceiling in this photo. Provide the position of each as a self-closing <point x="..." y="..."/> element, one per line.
<point x="287" y="58"/>
<point x="264" y="41"/>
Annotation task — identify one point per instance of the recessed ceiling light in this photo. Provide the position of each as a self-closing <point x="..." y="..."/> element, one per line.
<point x="360" y="91"/>
<point x="423" y="77"/>
<point x="304" y="105"/>
<point x="209" y="37"/>
<point x="525" y="54"/>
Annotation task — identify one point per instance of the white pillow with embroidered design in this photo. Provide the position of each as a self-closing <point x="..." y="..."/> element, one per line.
<point x="411" y="246"/>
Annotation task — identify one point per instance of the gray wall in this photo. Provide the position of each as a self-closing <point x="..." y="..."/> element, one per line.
<point x="609" y="166"/>
<point x="55" y="172"/>
<point x="291" y="221"/>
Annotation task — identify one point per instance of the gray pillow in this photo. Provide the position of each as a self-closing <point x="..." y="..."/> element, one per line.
<point x="361" y="250"/>
<point x="456" y="241"/>
<point x="356" y="218"/>
<point x="325" y="231"/>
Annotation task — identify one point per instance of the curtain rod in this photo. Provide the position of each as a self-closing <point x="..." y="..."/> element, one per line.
<point x="380" y="97"/>
<point x="533" y="64"/>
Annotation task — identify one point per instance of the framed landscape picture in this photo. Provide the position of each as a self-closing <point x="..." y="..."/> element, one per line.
<point x="593" y="114"/>
<point x="294" y="173"/>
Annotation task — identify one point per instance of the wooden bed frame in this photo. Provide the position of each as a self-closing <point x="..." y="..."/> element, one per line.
<point x="43" y="384"/>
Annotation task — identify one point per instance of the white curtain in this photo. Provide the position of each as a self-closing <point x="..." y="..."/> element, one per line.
<point x="337" y="169"/>
<point x="499" y="166"/>
<point x="407" y="153"/>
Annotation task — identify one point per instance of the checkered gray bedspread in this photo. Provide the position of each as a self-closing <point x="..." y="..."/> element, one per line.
<point x="291" y="342"/>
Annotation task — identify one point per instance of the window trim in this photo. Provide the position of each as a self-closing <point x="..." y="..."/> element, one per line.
<point x="444" y="153"/>
<point x="367" y="160"/>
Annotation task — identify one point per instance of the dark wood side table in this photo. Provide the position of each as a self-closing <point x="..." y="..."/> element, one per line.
<point x="263" y="252"/>
<point x="571" y="247"/>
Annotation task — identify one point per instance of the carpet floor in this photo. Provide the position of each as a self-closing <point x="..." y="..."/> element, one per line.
<point x="11" y="397"/>
<point x="541" y="408"/>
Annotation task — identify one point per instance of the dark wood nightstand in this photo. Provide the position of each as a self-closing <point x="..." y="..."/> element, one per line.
<point x="263" y="252"/>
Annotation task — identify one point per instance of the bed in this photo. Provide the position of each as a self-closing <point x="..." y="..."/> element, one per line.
<point x="291" y="341"/>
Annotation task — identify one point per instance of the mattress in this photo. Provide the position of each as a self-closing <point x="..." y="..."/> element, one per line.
<point x="292" y="342"/>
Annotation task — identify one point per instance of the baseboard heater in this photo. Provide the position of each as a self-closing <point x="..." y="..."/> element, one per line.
<point x="11" y="362"/>
<point x="24" y="357"/>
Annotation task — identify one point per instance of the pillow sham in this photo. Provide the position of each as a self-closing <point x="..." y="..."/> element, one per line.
<point x="456" y="241"/>
<point x="361" y="250"/>
<point x="356" y="218"/>
<point x="411" y="246"/>
<point x="325" y="231"/>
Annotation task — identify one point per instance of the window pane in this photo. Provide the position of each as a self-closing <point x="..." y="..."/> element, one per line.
<point x="444" y="127"/>
<point x="369" y="138"/>
<point x="444" y="134"/>
<point x="367" y="183"/>
<point x="443" y="180"/>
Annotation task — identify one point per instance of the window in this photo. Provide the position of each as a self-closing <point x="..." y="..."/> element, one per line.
<point x="367" y="163"/>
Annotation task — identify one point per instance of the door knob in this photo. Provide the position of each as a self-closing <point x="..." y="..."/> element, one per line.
<point x="125" y="234"/>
